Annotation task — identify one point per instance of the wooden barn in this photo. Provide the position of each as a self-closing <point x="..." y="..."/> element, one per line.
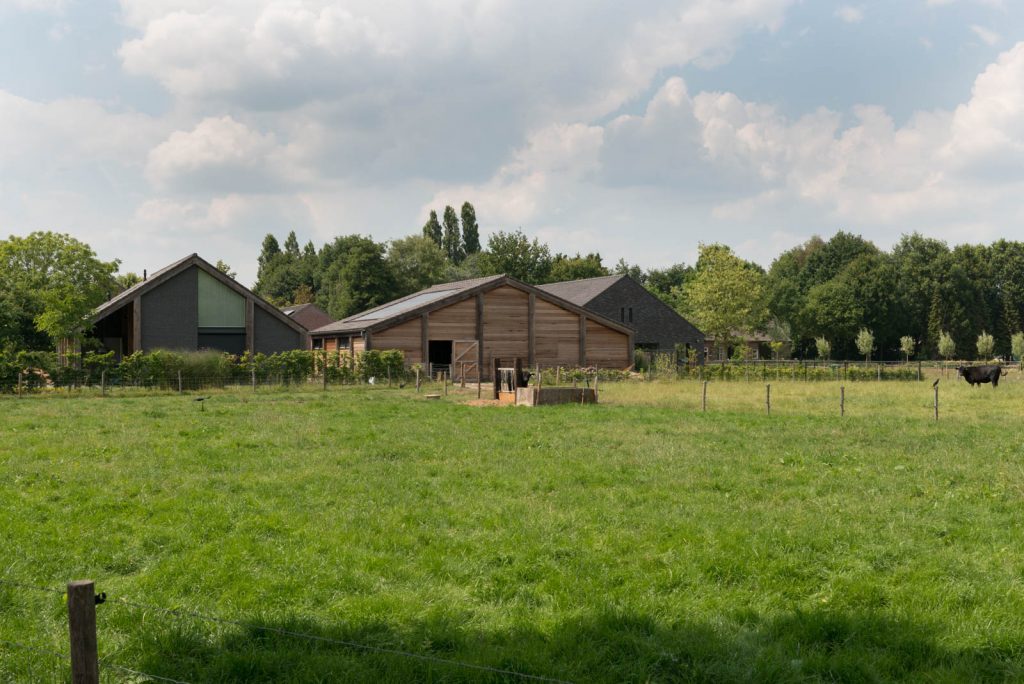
<point x="466" y="324"/>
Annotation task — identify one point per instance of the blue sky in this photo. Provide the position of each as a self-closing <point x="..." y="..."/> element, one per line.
<point x="152" y="129"/>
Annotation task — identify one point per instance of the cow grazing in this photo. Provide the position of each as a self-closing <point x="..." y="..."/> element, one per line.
<point x="976" y="375"/>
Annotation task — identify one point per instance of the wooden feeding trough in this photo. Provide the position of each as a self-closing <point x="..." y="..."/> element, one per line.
<point x="511" y="387"/>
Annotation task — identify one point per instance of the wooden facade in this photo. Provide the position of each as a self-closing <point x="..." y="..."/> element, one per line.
<point x="493" y="318"/>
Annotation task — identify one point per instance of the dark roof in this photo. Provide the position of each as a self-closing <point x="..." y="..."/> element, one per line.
<point x="167" y="272"/>
<point x="309" y="316"/>
<point x="442" y="295"/>
<point x="581" y="292"/>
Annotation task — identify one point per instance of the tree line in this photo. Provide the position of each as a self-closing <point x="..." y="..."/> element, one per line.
<point x="920" y="299"/>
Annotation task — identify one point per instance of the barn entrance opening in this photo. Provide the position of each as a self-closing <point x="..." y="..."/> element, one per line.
<point x="440" y="356"/>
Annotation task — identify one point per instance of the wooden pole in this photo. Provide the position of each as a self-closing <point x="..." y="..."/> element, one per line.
<point x="445" y="375"/>
<point x="85" y="667"/>
<point x="558" y="376"/>
<point x="842" y="401"/>
<point x="179" y="382"/>
<point x="704" y="397"/>
<point x="103" y="383"/>
<point x="936" y="387"/>
<point x="768" y="398"/>
<point x="879" y="369"/>
<point x="19" y="383"/>
<point x="417" y="380"/>
<point x="595" y="387"/>
<point x="254" y="378"/>
<point x="462" y="374"/>
<point x="389" y="376"/>
<point x="919" y="377"/>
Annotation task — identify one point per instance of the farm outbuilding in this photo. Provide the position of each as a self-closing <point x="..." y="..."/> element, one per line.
<point x="465" y="325"/>
<point x="190" y="306"/>
<point x="655" y="324"/>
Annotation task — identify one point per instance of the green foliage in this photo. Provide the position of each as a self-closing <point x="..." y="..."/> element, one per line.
<point x="564" y="267"/>
<point x="946" y="345"/>
<point x="452" y="240"/>
<point x="865" y="342"/>
<point x="824" y="348"/>
<point x="359" y="281"/>
<point x="285" y="277"/>
<point x="416" y="263"/>
<point x="515" y="255"/>
<point x="1017" y="346"/>
<point x="432" y="230"/>
<point x="726" y="295"/>
<point x="49" y="284"/>
<point x="224" y="268"/>
<point x="986" y="345"/>
<point x="470" y="229"/>
<point x="907" y="345"/>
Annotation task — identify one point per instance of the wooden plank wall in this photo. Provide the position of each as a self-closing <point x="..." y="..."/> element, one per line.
<point x="606" y="348"/>
<point x="405" y="336"/>
<point x="506" y="327"/>
<point x="557" y="335"/>
<point x="455" y="322"/>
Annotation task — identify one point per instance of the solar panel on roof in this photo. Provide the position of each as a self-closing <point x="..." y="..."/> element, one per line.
<point x="406" y="305"/>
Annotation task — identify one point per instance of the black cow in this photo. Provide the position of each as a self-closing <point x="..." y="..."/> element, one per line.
<point x="976" y="375"/>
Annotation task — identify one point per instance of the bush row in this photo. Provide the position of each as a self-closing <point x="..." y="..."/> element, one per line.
<point x="161" y="368"/>
<point x="798" y="372"/>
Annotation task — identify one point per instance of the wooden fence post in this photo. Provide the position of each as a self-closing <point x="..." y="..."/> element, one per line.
<point x="919" y="376"/>
<point x="936" y="388"/>
<point x="842" y="401"/>
<point x="596" y="376"/>
<point x="704" y="397"/>
<point x="768" y="398"/>
<point x="103" y="383"/>
<point x="19" y="383"/>
<point x="417" y="380"/>
<point x="462" y="374"/>
<point x="85" y="667"/>
<point x="444" y="377"/>
<point x="179" y="382"/>
<point x="389" y="376"/>
<point x="879" y="372"/>
<point x="254" y="378"/>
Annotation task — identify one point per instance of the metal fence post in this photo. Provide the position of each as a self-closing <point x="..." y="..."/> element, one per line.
<point x="85" y="668"/>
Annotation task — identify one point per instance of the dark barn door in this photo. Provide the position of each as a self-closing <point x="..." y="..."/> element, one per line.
<point x="440" y="354"/>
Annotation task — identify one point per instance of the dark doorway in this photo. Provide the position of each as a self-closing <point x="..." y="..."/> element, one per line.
<point x="440" y="352"/>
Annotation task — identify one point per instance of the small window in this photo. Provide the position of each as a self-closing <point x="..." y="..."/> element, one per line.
<point x="630" y="314"/>
<point x="622" y="314"/>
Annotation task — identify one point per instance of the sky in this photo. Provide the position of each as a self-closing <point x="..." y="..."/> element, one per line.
<point x="152" y="129"/>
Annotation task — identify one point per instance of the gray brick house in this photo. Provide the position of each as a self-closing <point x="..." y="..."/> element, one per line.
<point x="622" y="299"/>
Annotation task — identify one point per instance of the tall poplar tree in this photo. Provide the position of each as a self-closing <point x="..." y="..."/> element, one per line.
<point x="452" y="236"/>
<point x="470" y="229"/>
<point x="432" y="229"/>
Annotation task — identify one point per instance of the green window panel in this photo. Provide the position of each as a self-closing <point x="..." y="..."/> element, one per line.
<point x="219" y="305"/>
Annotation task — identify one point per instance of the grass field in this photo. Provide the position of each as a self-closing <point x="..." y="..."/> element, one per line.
<point x="635" y="540"/>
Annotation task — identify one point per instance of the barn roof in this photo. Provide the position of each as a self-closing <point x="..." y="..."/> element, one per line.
<point x="167" y="272"/>
<point x="309" y="316"/>
<point x="581" y="292"/>
<point x="439" y="296"/>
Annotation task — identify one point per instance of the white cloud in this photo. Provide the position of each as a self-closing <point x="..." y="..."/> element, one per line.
<point x="850" y="14"/>
<point x="987" y="36"/>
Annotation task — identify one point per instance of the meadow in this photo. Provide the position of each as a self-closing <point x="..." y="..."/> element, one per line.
<point x="636" y="540"/>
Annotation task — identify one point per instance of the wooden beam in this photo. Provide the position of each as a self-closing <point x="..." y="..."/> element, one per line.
<point x="531" y="329"/>
<point x="480" y="336"/>
<point x="137" y="324"/>
<point x="583" y="340"/>
<point x="425" y="340"/>
<point x="250" y="324"/>
<point x="368" y="341"/>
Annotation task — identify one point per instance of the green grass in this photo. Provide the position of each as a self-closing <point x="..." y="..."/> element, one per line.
<point x="635" y="540"/>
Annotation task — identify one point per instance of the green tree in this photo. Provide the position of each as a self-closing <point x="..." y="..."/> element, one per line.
<point x="470" y="229"/>
<point x="360" y="280"/>
<point x="907" y="346"/>
<point x="432" y="229"/>
<point x="946" y="345"/>
<point x="917" y="262"/>
<point x="223" y="267"/>
<point x="269" y="250"/>
<point x="986" y="345"/>
<point x="564" y="267"/>
<point x="669" y="284"/>
<point x="452" y="240"/>
<point x="865" y="343"/>
<point x="824" y="348"/>
<point x="726" y="295"/>
<point x="515" y="255"/>
<point x="127" y="280"/>
<point x="49" y="284"/>
<point x="1017" y="346"/>
<point x="416" y="263"/>
<point x="622" y="267"/>
<point x="291" y="245"/>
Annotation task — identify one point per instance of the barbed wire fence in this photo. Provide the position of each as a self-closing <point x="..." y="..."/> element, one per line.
<point x="90" y="662"/>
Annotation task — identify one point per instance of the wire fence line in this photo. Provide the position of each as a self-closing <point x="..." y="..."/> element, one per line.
<point x="253" y="627"/>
